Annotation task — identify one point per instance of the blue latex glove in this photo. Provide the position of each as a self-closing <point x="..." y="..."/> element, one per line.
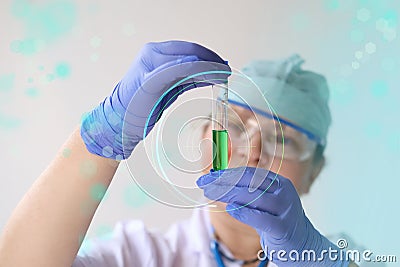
<point x="269" y="203"/>
<point x="123" y="119"/>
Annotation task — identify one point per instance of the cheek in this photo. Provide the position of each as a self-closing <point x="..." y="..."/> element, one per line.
<point x="206" y="151"/>
<point x="229" y="148"/>
<point x="297" y="172"/>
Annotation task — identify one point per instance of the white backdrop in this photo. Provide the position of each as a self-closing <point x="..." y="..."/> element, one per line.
<point x="44" y="92"/>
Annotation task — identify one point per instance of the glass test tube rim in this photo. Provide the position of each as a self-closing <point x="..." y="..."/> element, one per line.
<point x="220" y="107"/>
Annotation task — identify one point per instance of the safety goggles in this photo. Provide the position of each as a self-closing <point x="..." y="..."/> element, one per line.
<point x="273" y="136"/>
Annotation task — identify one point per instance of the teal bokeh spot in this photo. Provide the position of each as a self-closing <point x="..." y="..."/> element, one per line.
<point x="381" y="24"/>
<point x="15" y="46"/>
<point x="95" y="42"/>
<point x="6" y="82"/>
<point x="32" y="92"/>
<point x="47" y="20"/>
<point x="355" y="65"/>
<point x="86" y="244"/>
<point x="363" y="14"/>
<point x="26" y="47"/>
<point x="43" y="22"/>
<point x="66" y="152"/>
<point x="20" y="8"/>
<point x="8" y="123"/>
<point x="370" y="48"/>
<point x="332" y="4"/>
<point x="50" y="77"/>
<point x="107" y="151"/>
<point x="379" y="88"/>
<point x="94" y="57"/>
<point x="357" y="36"/>
<point x="134" y="196"/>
<point x="57" y="18"/>
<point x="358" y="54"/>
<point x="97" y="192"/>
<point x="389" y="34"/>
<point x="391" y="17"/>
<point x="84" y="116"/>
<point x="63" y="70"/>
<point x="104" y="232"/>
<point x="388" y="28"/>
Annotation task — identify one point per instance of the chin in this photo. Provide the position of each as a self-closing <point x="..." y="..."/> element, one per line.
<point x="219" y="213"/>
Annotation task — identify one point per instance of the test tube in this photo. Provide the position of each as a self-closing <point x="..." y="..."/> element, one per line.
<point x="220" y="126"/>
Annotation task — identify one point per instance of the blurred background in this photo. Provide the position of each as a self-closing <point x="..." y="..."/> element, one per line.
<point x="60" y="58"/>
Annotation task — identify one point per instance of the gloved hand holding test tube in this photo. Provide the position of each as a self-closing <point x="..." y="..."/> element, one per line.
<point x="220" y="127"/>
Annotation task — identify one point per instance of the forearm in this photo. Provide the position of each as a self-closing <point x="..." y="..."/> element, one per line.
<point x="50" y="221"/>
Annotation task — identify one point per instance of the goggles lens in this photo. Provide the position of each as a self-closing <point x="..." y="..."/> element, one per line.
<point x="274" y="138"/>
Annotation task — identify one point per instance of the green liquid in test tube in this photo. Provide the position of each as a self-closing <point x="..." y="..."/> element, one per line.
<point x="220" y="127"/>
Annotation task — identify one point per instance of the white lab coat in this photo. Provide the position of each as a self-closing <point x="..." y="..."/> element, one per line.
<point x="131" y="244"/>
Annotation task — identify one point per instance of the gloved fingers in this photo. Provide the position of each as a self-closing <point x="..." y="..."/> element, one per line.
<point x="247" y="177"/>
<point x="158" y="93"/>
<point x="168" y="61"/>
<point x="257" y="199"/>
<point x="170" y="77"/>
<point x="125" y="94"/>
<point x="185" y="70"/>
<point x="183" y="48"/>
<point x="260" y="220"/>
<point x="189" y="83"/>
<point x="170" y="98"/>
<point x="154" y="55"/>
<point x="172" y="95"/>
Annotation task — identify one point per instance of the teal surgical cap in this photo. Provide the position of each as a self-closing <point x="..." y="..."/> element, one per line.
<point x="296" y="95"/>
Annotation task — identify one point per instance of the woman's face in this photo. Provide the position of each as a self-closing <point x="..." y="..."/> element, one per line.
<point x="250" y="151"/>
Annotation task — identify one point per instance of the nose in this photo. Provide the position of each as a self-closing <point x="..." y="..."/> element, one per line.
<point x="254" y="151"/>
